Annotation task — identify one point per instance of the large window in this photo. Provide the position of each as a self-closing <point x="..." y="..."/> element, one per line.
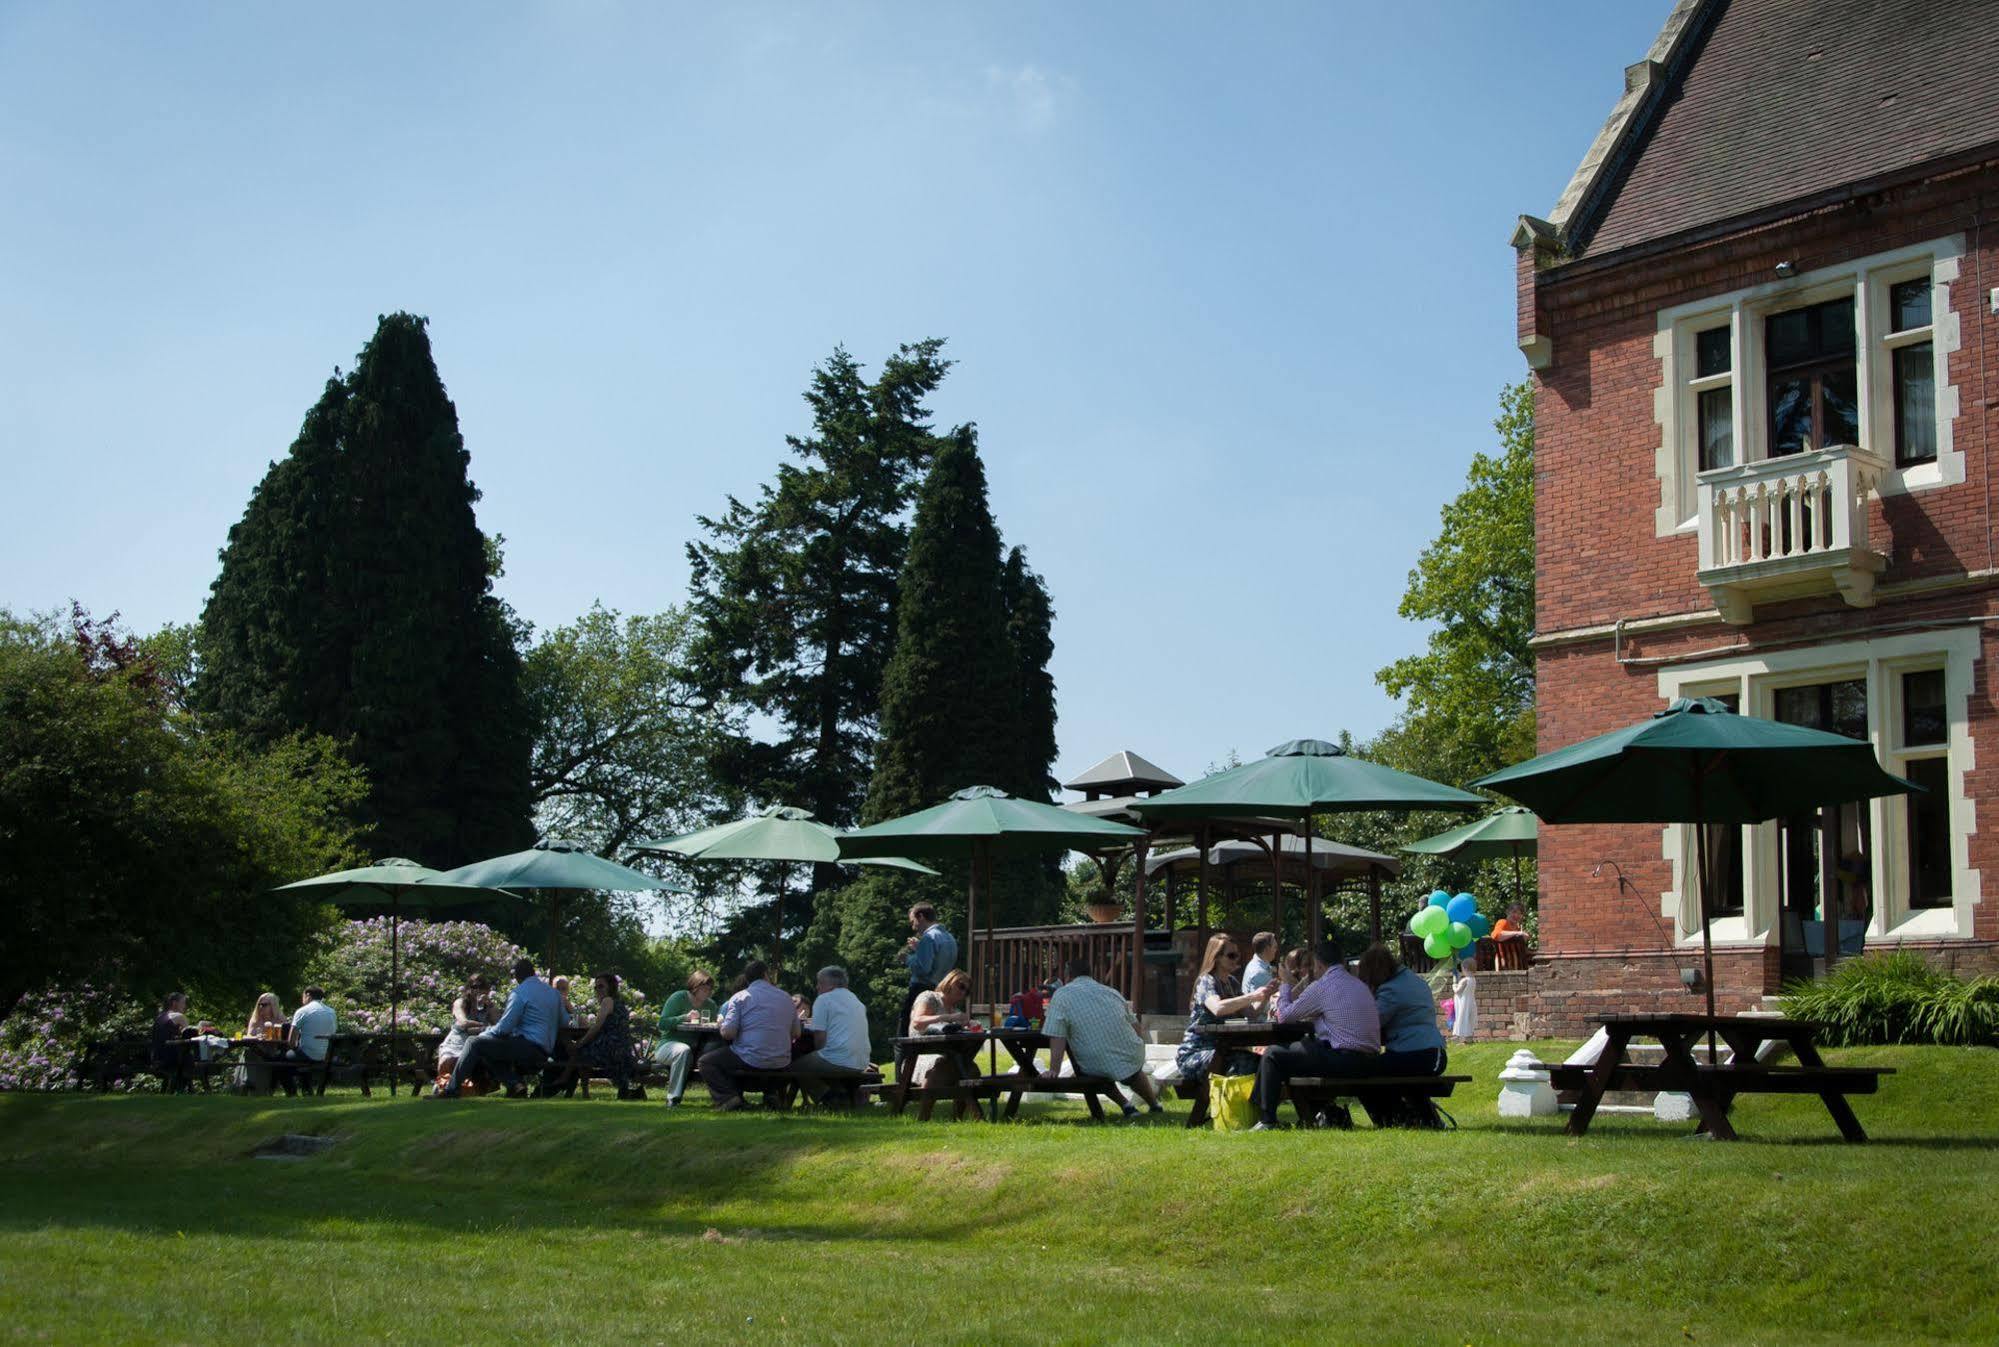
<point x="1924" y="760"/>
<point x="1900" y="866"/>
<point x="1857" y="354"/>
<point x="1814" y="386"/>
<point x="1807" y="843"/>
<point x="1910" y="346"/>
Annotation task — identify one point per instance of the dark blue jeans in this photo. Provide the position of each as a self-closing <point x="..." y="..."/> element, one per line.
<point x="505" y="1055"/>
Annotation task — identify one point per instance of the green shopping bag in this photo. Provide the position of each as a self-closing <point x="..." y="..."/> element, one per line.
<point x="1228" y="1103"/>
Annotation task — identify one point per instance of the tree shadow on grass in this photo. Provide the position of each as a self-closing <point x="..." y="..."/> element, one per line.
<point x="166" y="1168"/>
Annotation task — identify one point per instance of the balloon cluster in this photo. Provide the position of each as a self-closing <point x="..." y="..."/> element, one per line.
<point x="1447" y="925"/>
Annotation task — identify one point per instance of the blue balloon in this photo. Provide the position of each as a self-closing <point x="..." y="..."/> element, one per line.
<point x="1462" y="908"/>
<point x="1438" y="898"/>
<point x="1480" y="927"/>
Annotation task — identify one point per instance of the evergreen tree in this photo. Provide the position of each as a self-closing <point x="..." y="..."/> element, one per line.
<point x="1030" y="619"/>
<point x="794" y="596"/>
<point x="794" y="606"/>
<point x="355" y="601"/>
<point x="951" y="710"/>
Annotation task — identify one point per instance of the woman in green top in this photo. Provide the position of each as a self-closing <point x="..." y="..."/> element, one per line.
<point x="675" y="1053"/>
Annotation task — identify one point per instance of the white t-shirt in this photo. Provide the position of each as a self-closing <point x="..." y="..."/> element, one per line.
<point x="314" y="1022"/>
<point x="845" y="1021"/>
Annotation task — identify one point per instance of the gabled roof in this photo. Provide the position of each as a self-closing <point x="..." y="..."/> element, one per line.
<point x="1125" y="774"/>
<point x="1744" y="105"/>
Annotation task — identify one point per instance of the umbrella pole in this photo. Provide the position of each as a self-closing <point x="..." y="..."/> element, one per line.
<point x="986" y="947"/>
<point x="972" y="968"/>
<point x="777" y="941"/>
<point x="1137" y="969"/>
<point x="395" y="991"/>
<point x="1201" y="844"/>
<point x="1707" y="926"/>
<point x="1516" y="876"/>
<point x="1315" y="917"/>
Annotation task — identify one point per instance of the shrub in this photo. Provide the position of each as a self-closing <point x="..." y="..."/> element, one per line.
<point x="1897" y="998"/>
<point x="48" y="1030"/>
<point x="437" y="957"/>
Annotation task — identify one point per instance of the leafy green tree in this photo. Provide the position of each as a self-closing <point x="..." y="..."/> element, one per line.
<point x="1469" y="696"/>
<point x="133" y="835"/>
<point x="355" y="601"/>
<point x="622" y="741"/>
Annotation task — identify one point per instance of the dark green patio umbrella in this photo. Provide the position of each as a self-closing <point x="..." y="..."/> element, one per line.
<point x="400" y="883"/>
<point x="1510" y="832"/>
<point x="1303" y="779"/>
<point x="978" y="824"/>
<point x="775" y="833"/>
<point x="1698" y="762"/>
<point x="555" y="866"/>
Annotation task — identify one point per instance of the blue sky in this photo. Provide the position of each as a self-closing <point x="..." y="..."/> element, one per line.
<point x="1229" y="288"/>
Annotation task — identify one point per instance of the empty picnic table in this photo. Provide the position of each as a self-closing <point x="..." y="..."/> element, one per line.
<point x="1714" y="1085"/>
<point x="1236" y="1036"/>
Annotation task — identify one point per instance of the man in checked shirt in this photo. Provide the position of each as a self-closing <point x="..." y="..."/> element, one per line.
<point x="1346" y="1032"/>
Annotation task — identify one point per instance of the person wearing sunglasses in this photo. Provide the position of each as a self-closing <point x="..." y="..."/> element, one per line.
<point x="1218" y="996"/>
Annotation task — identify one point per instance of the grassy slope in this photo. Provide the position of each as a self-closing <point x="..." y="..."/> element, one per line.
<point x="128" y="1219"/>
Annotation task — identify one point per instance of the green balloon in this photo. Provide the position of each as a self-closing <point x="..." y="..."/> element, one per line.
<point x="1460" y="935"/>
<point x="1437" y="946"/>
<point x="1430" y="921"/>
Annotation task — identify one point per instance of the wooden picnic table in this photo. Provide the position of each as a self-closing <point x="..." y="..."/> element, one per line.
<point x="1713" y="1086"/>
<point x="1239" y="1036"/>
<point x="966" y="1092"/>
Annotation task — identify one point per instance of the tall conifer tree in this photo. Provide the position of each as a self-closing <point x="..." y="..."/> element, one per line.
<point x="355" y="601"/>
<point x="951" y="704"/>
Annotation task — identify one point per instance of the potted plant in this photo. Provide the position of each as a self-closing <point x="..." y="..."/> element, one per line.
<point x="1104" y="909"/>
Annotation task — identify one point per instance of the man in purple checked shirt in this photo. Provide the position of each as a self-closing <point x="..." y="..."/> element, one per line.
<point x="1346" y="1032"/>
<point x="758" y="1025"/>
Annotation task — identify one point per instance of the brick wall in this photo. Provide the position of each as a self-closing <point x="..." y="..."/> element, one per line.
<point x="1596" y="484"/>
<point x="1605" y="944"/>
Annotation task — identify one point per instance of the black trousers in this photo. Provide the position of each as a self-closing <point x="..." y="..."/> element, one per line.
<point x="719" y="1068"/>
<point x="1309" y="1058"/>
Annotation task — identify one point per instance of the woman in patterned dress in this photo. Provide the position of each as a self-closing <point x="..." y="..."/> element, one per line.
<point x="607" y="1045"/>
<point x="1218" y="996"/>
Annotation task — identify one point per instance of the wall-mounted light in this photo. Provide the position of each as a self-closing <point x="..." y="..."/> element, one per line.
<point x="1786" y="270"/>
<point x="1690" y="977"/>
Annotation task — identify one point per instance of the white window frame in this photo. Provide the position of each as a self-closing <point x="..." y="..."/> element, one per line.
<point x="1881" y="662"/>
<point x="1867" y="281"/>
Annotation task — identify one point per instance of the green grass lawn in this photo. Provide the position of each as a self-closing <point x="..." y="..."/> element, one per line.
<point x="144" y="1219"/>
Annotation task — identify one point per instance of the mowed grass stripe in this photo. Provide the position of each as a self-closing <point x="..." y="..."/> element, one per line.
<point x="143" y="1219"/>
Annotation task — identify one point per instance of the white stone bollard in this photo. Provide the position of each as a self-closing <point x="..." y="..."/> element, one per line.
<point x="1524" y="1091"/>
<point x="1673" y="1106"/>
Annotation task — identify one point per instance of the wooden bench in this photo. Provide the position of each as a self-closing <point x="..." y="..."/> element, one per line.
<point x="780" y="1088"/>
<point x="965" y="1094"/>
<point x="1387" y="1099"/>
<point x="1720" y="1083"/>
<point x="1094" y="1089"/>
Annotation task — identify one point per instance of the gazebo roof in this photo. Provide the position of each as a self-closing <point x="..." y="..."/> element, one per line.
<point x="1123" y="773"/>
<point x="1329" y="857"/>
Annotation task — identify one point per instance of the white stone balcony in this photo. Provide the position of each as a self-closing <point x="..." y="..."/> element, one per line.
<point x="1788" y="528"/>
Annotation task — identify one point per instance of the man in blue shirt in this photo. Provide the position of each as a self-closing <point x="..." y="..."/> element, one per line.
<point x="929" y="955"/>
<point x="522" y="1040"/>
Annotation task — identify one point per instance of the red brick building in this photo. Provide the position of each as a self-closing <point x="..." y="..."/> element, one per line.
<point x="1761" y="323"/>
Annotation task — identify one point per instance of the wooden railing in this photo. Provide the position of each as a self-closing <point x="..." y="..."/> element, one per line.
<point x="1491" y="955"/>
<point x="1019" y="957"/>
